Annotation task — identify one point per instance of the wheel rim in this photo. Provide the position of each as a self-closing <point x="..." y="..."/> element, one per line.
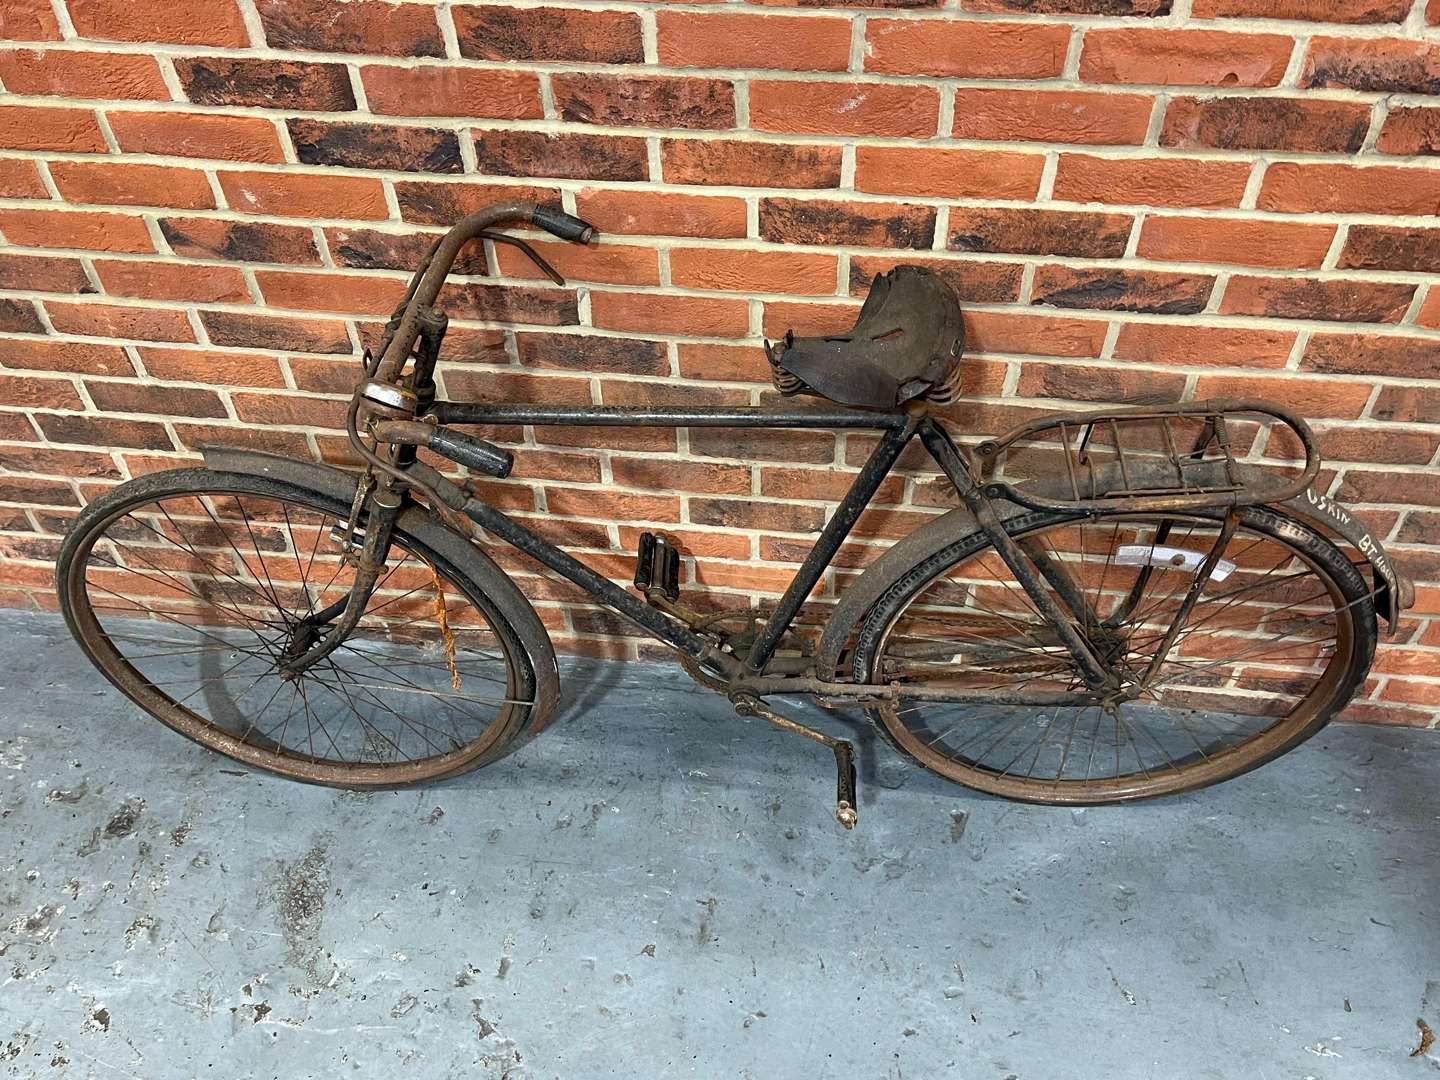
<point x="1227" y="698"/>
<point x="186" y="602"/>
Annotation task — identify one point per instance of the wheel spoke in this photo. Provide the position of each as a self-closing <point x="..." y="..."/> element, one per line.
<point x="190" y="550"/>
<point x="1251" y="655"/>
<point x="242" y="580"/>
<point x="355" y="709"/>
<point x="411" y="723"/>
<point x="205" y="505"/>
<point x="180" y="586"/>
<point x="301" y="575"/>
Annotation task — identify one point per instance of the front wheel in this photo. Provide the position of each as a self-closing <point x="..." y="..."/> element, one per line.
<point x="1280" y="636"/>
<point x="187" y="588"/>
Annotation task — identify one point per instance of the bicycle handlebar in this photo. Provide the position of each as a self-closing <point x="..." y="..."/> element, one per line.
<point x="431" y="275"/>
<point x="565" y="226"/>
<point x="382" y="390"/>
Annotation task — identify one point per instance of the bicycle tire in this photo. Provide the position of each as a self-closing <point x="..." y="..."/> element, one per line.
<point x="416" y="534"/>
<point x="1355" y="611"/>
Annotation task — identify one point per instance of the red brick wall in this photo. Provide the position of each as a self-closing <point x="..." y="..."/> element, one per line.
<point x="209" y="204"/>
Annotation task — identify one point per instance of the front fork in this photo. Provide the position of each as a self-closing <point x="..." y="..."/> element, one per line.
<point x="322" y="632"/>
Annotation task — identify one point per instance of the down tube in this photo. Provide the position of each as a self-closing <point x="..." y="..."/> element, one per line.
<point x="601" y="588"/>
<point x="882" y="459"/>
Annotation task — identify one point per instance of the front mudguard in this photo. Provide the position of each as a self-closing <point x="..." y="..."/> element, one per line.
<point x="468" y="559"/>
<point x="1393" y="590"/>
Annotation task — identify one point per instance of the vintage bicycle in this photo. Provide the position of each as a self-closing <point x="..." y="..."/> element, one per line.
<point x="1148" y="613"/>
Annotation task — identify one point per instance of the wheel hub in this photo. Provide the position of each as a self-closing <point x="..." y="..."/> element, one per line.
<point x="302" y="637"/>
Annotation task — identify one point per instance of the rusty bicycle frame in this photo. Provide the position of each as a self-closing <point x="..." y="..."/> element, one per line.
<point x="395" y="407"/>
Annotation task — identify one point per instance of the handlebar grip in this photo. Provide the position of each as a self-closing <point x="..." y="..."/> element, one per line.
<point x="565" y="226"/>
<point x="471" y="452"/>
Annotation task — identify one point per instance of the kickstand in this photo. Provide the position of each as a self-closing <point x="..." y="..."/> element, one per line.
<point x="846" y="805"/>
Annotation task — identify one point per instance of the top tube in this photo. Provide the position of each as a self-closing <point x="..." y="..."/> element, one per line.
<point x="465" y="412"/>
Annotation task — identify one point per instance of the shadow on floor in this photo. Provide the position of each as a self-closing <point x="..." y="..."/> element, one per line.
<point x="655" y="888"/>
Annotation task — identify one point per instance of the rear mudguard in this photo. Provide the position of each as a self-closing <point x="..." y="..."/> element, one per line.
<point x="1393" y="590"/>
<point x="467" y="559"/>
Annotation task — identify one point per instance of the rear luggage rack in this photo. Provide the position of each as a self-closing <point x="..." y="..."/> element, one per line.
<point x="1156" y="471"/>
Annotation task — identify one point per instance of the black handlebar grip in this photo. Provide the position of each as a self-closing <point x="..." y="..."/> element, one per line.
<point x="473" y="453"/>
<point x="565" y="226"/>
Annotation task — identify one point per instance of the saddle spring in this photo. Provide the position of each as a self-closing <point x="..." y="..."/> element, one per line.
<point x="942" y="393"/>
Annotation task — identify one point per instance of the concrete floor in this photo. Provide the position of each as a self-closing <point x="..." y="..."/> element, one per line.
<point x="655" y="889"/>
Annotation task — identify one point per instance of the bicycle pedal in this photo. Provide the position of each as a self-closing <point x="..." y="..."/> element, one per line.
<point x="657" y="567"/>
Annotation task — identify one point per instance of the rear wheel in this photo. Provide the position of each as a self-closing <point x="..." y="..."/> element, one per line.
<point x="186" y="588"/>
<point x="1279" y="638"/>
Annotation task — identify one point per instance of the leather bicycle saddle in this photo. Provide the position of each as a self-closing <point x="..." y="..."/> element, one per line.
<point x="907" y="340"/>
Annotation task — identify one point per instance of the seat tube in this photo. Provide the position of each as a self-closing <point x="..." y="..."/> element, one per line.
<point x="875" y="469"/>
<point x="947" y="455"/>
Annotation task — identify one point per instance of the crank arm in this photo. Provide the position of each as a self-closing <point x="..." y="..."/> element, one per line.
<point x="847" y="806"/>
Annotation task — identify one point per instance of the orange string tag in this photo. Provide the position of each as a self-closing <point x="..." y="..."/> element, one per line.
<point x="445" y="632"/>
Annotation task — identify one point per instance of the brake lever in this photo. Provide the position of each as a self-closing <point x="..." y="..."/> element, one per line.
<point x="533" y="255"/>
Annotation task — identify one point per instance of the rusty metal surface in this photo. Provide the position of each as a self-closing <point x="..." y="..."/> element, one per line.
<point x="638" y="905"/>
<point x="1395" y="592"/>
<point x="1177" y="477"/>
